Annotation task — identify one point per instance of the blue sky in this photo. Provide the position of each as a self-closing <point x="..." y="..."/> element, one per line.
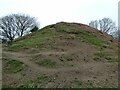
<point x="52" y="11"/>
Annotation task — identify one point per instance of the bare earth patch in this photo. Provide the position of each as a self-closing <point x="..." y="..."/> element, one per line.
<point x="100" y="74"/>
<point x="63" y="55"/>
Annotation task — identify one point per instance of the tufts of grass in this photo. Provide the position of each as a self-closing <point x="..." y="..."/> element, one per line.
<point x="37" y="39"/>
<point x="108" y="56"/>
<point x="91" y="38"/>
<point x="64" y="28"/>
<point x="47" y="63"/>
<point x="90" y="85"/>
<point x="67" y="86"/>
<point x="14" y="66"/>
<point x="81" y="34"/>
<point x="39" y="82"/>
<point x="16" y="47"/>
<point x="46" y="36"/>
<point x="79" y="84"/>
<point x="6" y="86"/>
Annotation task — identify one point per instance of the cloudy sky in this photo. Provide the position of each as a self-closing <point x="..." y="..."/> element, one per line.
<point x="52" y="11"/>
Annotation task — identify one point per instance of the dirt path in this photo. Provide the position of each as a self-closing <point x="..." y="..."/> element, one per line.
<point x="95" y="71"/>
<point x="25" y="58"/>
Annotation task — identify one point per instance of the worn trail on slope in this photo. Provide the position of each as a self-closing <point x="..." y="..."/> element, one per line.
<point x="25" y="58"/>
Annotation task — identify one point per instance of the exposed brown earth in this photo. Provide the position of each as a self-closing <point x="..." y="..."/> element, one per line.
<point x="74" y="64"/>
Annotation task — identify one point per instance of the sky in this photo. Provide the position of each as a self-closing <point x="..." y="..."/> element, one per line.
<point x="119" y="15"/>
<point x="52" y="11"/>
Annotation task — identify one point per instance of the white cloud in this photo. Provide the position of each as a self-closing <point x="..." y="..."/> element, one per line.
<point x="51" y="11"/>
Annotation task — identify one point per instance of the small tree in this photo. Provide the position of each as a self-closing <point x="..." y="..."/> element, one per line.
<point x="24" y="24"/>
<point x="34" y="29"/>
<point x="7" y="27"/>
<point x="105" y="25"/>
<point x="94" y="24"/>
<point x="16" y="25"/>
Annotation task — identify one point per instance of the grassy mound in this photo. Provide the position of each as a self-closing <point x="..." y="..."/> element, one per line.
<point x="46" y="37"/>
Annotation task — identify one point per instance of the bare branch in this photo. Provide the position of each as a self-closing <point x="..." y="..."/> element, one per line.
<point x="16" y="25"/>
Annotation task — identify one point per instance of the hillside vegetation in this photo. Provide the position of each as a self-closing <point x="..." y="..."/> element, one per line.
<point x="48" y="35"/>
<point x="62" y="55"/>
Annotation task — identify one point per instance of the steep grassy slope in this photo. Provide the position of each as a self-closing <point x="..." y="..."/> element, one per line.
<point x="48" y="35"/>
<point x="62" y="55"/>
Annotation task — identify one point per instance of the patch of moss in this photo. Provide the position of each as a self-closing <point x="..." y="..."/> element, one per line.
<point x="14" y="66"/>
<point x="47" y="63"/>
<point x="39" y="82"/>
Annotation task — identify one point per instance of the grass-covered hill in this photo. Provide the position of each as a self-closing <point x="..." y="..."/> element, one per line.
<point x="62" y="55"/>
<point x="48" y="36"/>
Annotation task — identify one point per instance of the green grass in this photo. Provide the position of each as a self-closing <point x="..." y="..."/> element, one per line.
<point x="77" y="83"/>
<point x="90" y="85"/>
<point x="81" y="34"/>
<point x="47" y="63"/>
<point x="67" y="85"/>
<point x="108" y="56"/>
<point x="6" y="86"/>
<point x="42" y="81"/>
<point x="46" y="36"/>
<point x="39" y="82"/>
<point x="91" y="38"/>
<point x="38" y="39"/>
<point x="64" y="28"/>
<point x="14" y="66"/>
